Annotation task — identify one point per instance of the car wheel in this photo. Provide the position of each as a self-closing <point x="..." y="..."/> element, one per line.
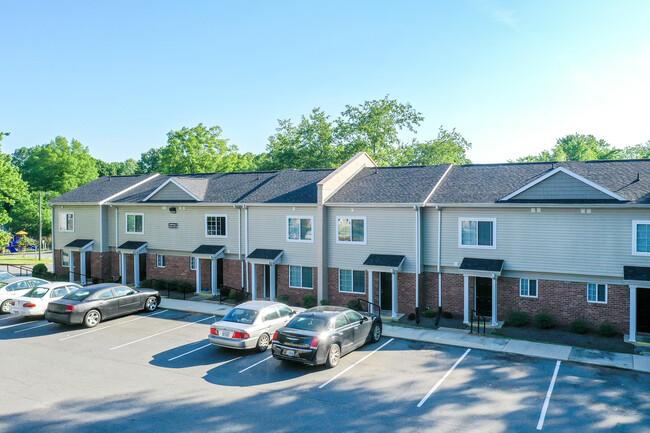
<point x="263" y="342"/>
<point x="151" y="304"/>
<point x="333" y="356"/>
<point x="375" y="333"/>
<point x="5" y="306"/>
<point x="92" y="318"/>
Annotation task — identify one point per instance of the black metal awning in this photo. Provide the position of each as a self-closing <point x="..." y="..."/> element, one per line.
<point x="385" y="260"/>
<point x="80" y="245"/>
<point x="265" y="255"/>
<point x="133" y="247"/>
<point x="482" y="265"/>
<point x="636" y="273"/>
<point x="209" y="250"/>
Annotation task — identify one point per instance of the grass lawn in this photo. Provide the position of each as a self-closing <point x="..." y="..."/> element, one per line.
<point x="9" y="260"/>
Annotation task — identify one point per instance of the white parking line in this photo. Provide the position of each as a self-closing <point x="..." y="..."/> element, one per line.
<point x="259" y="362"/>
<point x="353" y="365"/>
<point x="540" y="424"/>
<point x="11" y="316"/>
<point x="159" y="333"/>
<point x="191" y="351"/>
<point x="29" y="329"/>
<point x="424" y="399"/>
<point x="110" y="326"/>
<point x="14" y="325"/>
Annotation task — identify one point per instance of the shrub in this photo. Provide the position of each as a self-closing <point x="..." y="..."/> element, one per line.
<point x="578" y="326"/>
<point x="224" y="292"/>
<point x="308" y="301"/>
<point x="324" y="302"/>
<point x="158" y="285"/>
<point x="544" y="321"/>
<point x="182" y="286"/>
<point x="146" y="283"/>
<point x="240" y="295"/>
<point x="232" y="294"/>
<point x="429" y="313"/>
<point x="354" y="305"/>
<point x="606" y="330"/>
<point x="447" y="315"/>
<point x="40" y="271"/>
<point x="284" y="298"/>
<point x="61" y="277"/>
<point x="95" y="280"/>
<point x="518" y="318"/>
<point x="411" y="316"/>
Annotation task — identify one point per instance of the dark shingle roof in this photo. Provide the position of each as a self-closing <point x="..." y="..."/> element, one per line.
<point x="488" y="265"/>
<point x="388" y="260"/>
<point x="79" y="243"/>
<point x="100" y="189"/>
<point x="638" y="273"/>
<point x="411" y="184"/>
<point x="264" y="254"/>
<point x="131" y="245"/>
<point x="208" y="249"/>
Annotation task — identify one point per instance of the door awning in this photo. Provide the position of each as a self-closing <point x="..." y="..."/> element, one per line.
<point x="132" y="247"/>
<point x="384" y="262"/>
<point x="636" y="273"/>
<point x="210" y="252"/>
<point x="80" y="245"/>
<point x="481" y="267"/>
<point x="265" y="257"/>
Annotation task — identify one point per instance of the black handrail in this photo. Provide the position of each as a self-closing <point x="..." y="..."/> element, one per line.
<point x="26" y="269"/>
<point x="368" y="304"/>
<point x="478" y="322"/>
<point x="223" y="295"/>
<point x="89" y="278"/>
<point x="166" y="285"/>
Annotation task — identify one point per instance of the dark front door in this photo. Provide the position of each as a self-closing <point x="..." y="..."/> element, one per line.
<point x="219" y="272"/>
<point x="143" y="267"/>
<point x="483" y="292"/>
<point x="386" y="290"/>
<point x="643" y="310"/>
<point x="88" y="267"/>
<point x="267" y="281"/>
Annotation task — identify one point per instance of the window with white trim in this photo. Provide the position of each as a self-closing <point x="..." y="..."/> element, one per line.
<point x="160" y="260"/>
<point x="66" y="221"/>
<point x="597" y="293"/>
<point x="299" y="229"/>
<point x="477" y="233"/>
<point x="528" y="288"/>
<point x="301" y="277"/>
<point x="65" y="258"/>
<point x="641" y="238"/>
<point x="351" y="230"/>
<point x="135" y="223"/>
<point x="193" y="263"/>
<point x="216" y="226"/>
<point x="351" y="281"/>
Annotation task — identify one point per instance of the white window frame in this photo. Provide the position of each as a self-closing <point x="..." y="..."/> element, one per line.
<point x="301" y="268"/>
<point x="635" y="240"/>
<point x="365" y="282"/>
<point x="126" y="223"/>
<point x="313" y="231"/>
<point x="482" y="247"/>
<point x="65" y="255"/>
<point x="365" y="230"/>
<point x="193" y="260"/>
<point x="521" y="280"/>
<point x="205" y="223"/>
<point x="158" y="256"/>
<point x="597" y="301"/>
<point x="63" y="217"/>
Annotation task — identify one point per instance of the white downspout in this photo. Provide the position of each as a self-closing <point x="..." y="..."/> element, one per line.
<point x="53" y="250"/>
<point x="417" y="257"/>
<point x="439" y="258"/>
<point x="246" y="247"/>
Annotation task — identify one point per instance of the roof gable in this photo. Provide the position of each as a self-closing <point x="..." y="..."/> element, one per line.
<point x="562" y="184"/>
<point x="172" y="190"/>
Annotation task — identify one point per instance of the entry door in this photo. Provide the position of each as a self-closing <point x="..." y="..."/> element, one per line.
<point x="483" y="296"/>
<point x="386" y="290"/>
<point x="219" y="272"/>
<point x="643" y="310"/>
<point x="267" y="281"/>
<point x="88" y="267"/>
<point x="143" y="267"/>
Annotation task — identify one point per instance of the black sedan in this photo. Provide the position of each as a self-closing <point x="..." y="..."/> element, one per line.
<point x="92" y="304"/>
<point x="321" y="335"/>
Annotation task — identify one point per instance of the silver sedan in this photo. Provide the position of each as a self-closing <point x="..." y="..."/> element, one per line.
<point x="250" y="325"/>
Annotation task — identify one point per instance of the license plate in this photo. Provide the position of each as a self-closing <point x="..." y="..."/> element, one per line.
<point x="225" y="334"/>
<point x="290" y="352"/>
<point x="15" y="313"/>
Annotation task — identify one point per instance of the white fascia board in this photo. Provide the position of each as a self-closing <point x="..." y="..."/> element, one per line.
<point x="570" y="173"/>
<point x="185" y="190"/>
<point x="128" y="189"/>
<point x="542" y="205"/>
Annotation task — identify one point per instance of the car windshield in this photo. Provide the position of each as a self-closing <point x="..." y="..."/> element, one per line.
<point x="36" y="292"/>
<point x="308" y="323"/>
<point x="78" y="295"/>
<point x="240" y="315"/>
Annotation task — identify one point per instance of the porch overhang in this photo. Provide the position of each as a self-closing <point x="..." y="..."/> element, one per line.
<point x="489" y="268"/>
<point x="384" y="262"/>
<point x="262" y="256"/>
<point x="636" y="275"/>
<point x="132" y="247"/>
<point x="80" y="245"/>
<point x="210" y="252"/>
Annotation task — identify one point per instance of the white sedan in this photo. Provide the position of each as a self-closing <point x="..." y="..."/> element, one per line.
<point x="34" y="302"/>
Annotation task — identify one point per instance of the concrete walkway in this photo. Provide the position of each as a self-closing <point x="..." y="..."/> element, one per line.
<point x="461" y="339"/>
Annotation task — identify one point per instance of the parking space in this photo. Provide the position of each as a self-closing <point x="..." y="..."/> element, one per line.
<point x="161" y="362"/>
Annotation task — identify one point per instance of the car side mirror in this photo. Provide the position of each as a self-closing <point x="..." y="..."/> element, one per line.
<point x="293" y="312"/>
<point x="363" y="319"/>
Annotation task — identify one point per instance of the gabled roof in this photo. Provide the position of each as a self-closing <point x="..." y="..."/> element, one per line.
<point x="182" y="186"/>
<point x="103" y="188"/>
<point x="210" y="250"/>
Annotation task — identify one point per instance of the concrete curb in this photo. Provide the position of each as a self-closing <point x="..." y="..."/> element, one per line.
<point x="558" y="352"/>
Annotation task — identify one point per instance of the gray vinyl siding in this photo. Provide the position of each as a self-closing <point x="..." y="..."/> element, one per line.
<point x="430" y="236"/>
<point x="561" y="186"/>
<point x="86" y="225"/>
<point x="555" y="240"/>
<point x="267" y="228"/>
<point x="171" y="192"/>
<point x="390" y="230"/>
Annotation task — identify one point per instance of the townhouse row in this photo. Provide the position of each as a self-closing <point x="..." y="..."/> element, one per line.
<point x="571" y="239"/>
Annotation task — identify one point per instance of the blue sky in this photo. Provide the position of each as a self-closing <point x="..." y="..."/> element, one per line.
<point x="510" y="76"/>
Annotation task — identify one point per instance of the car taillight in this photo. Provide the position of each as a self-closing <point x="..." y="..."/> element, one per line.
<point x="240" y="335"/>
<point x="28" y="305"/>
<point x="275" y="336"/>
<point x="12" y="303"/>
<point x="213" y="331"/>
<point x="314" y="343"/>
<point x="69" y="308"/>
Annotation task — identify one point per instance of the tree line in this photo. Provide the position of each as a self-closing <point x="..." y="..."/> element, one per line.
<point x="316" y="140"/>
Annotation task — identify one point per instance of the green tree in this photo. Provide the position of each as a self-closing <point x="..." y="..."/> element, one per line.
<point x="640" y="151"/>
<point x="5" y="238"/>
<point x="128" y="167"/>
<point x="576" y="147"/>
<point x="12" y="186"/>
<point x="24" y="214"/>
<point x="448" y="147"/>
<point x="374" y="127"/>
<point x="150" y="161"/>
<point x="59" y="166"/>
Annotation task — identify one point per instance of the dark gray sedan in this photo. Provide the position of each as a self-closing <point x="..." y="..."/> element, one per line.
<point x="321" y="335"/>
<point x="92" y="304"/>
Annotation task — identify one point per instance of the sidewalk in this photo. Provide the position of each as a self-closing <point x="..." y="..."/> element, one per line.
<point x="455" y="338"/>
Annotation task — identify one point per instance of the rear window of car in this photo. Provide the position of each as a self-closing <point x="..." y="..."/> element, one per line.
<point x="37" y="292"/>
<point x="240" y="315"/>
<point x="79" y="295"/>
<point x="308" y="323"/>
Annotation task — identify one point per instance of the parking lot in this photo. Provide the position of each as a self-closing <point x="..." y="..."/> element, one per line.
<point x="156" y="371"/>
